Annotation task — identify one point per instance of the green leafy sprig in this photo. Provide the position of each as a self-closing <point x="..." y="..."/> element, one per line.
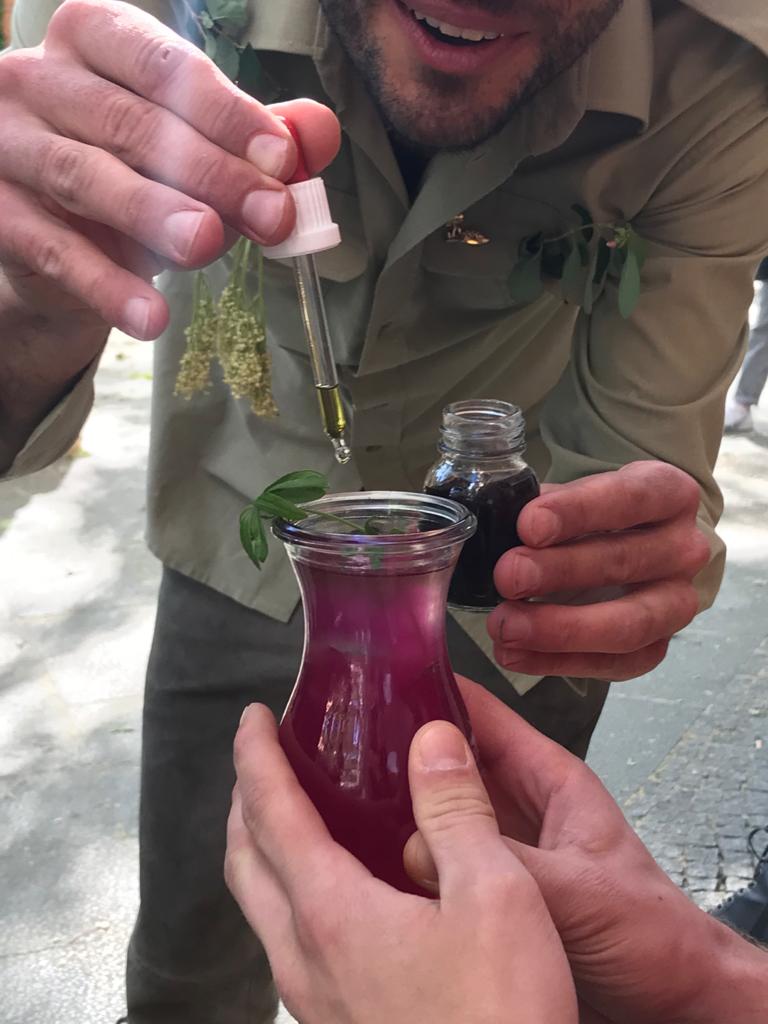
<point x="582" y="258"/>
<point x="284" y="499"/>
<point x="218" y="25"/>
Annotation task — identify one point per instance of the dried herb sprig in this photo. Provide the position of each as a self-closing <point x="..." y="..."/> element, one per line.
<point x="195" y="365"/>
<point x="241" y="336"/>
<point x="234" y="331"/>
<point x="283" y="499"/>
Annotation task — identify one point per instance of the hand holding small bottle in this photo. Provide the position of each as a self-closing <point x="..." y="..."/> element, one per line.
<point x="633" y="529"/>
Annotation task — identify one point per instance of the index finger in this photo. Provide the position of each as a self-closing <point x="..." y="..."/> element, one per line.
<point x="131" y="48"/>
<point x="635" y="495"/>
<point x="285" y="826"/>
<point x="512" y="752"/>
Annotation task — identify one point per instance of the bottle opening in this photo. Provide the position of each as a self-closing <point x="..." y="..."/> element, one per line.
<point x="394" y="530"/>
<point x="483" y="427"/>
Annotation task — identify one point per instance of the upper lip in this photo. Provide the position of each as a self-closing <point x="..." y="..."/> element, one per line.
<point x="463" y="16"/>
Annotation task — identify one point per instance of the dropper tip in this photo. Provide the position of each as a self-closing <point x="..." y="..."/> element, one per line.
<point x="341" y="450"/>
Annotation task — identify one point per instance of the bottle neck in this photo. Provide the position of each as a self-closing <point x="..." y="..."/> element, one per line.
<point x="483" y="429"/>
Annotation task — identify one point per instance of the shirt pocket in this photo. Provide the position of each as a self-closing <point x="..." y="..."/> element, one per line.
<point x="464" y="277"/>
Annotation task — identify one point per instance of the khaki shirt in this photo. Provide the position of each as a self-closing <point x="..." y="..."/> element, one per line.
<point x="663" y="122"/>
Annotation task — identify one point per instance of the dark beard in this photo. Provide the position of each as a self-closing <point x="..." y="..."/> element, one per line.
<point x="411" y="123"/>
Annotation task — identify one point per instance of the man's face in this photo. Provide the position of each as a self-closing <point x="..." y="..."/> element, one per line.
<point x="448" y="73"/>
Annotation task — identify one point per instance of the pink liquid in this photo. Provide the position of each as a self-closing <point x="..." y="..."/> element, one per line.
<point x="375" y="670"/>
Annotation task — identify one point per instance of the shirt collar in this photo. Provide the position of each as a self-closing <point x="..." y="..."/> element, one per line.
<point x="287" y="26"/>
<point x="745" y="18"/>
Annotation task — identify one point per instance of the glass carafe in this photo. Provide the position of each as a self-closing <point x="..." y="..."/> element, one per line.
<point x="375" y="666"/>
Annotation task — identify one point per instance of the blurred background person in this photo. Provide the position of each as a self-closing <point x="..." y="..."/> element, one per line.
<point x="754" y="373"/>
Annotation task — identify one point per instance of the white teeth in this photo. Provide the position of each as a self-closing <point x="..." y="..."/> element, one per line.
<point x="453" y="31"/>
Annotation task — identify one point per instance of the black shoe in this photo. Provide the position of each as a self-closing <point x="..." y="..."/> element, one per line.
<point x="747" y="909"/>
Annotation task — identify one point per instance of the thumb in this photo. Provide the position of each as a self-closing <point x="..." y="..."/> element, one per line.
<point x="453" y="811"/>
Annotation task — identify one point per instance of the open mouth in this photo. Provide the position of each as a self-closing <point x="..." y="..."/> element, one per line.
<point x="444" y="32"/>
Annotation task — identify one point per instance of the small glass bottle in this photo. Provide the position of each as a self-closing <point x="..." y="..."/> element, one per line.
<point x="375" y="666"/>
<point x="481" y="465"/>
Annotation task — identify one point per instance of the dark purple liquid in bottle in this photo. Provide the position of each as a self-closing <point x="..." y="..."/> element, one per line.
<point x="497" y="505"/>
<point x="375" y="670"/>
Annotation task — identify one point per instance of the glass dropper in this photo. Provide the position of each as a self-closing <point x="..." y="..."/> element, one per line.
<point x="315" y="232"/>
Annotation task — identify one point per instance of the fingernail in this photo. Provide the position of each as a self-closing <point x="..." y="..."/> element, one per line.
<point x="244" y="715"/>
<point x="136" y="318"/>
<point x="442" y="748"/>
<point x="547" y="526"/>
<point x="515" y="627"/>
<point x="182" y="229"/>
<point x="269" y="153"/>
<point x="263" y="212"/>
<point x="526" y="576"/>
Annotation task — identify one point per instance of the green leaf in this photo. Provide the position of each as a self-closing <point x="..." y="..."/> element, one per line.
<point x="598" y="268"/>
<point x="638" y="246"/>
<point x="573" y="277"/>
<point x="618" y="258"/>
<point x="629" y="285"/>
<point x="253" y="79"/>
<point x="235" y="12"/>
<point x="253" y="536"/>
<point x="223" y="52"/>
<point x="273" y="505"/>
<point x="524" y="283"/>
<point x="587" y="221"/>
<point x="303" y="485"/>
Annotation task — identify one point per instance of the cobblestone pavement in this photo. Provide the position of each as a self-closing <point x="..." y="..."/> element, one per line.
<point x="696" y="809"/>
<point x="684" y="749"/>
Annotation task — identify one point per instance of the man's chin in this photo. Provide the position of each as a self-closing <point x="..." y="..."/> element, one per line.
<point x="437" y="123"/>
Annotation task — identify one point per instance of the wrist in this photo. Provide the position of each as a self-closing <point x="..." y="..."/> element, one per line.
<point x="43" y="355"/>
<point x="728" y="979"/>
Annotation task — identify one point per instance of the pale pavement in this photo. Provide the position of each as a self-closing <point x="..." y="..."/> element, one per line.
<point x="682" y="748"/>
